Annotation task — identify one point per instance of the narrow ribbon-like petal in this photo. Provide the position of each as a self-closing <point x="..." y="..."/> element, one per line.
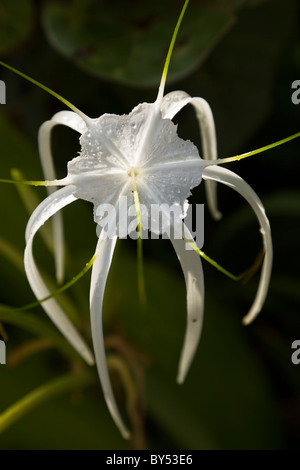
<point x="66" y="118"/>
<point x="222" y="175"/>
<point x="100" y="271"/>
<point x="171" y="105"/>
<point x="73" y="120"/>
<point x="42" y="213"/>
<point x="192" y="269"/>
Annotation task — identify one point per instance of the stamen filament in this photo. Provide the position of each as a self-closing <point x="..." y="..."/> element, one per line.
<point x="170" y="51"/>
<point x="48" y="90"/>
<point x="141" y="277"/>
<point x="214" y="263"/>
<point x="254" y="152"/>
<point x="33" y="183"/>
<point x="59" y="290"/>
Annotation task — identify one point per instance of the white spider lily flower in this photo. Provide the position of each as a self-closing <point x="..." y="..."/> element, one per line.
<point x="120" y="154"/>
<point x="139" y="154"/>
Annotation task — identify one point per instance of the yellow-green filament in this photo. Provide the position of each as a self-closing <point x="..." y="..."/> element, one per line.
<point x="141" y="278"/>
<point x="254" y="152"/>
<point x="214" y="263"/>
<point x="30" y="201"/>
<point x="167" y="62"/>
<point x="58" y="291"/>
<point x="45" y="88"/>
<point x="31" y="183"/>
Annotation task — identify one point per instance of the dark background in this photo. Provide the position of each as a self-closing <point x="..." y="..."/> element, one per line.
<point x="106" y="57"/>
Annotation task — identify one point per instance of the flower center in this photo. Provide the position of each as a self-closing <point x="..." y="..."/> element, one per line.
<point x="133" y="172"/>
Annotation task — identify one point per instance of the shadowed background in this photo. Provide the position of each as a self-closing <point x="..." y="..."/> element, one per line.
<point x="106" y="57"/>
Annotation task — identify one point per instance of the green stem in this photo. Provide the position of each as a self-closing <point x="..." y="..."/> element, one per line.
<point x="44" y="393"/>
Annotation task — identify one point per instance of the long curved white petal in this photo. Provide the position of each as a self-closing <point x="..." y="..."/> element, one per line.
<point x="222" y="175"/>
<point x="192" y="269"/>
<point x="66" y="118"/>
<point x="73" y="120"/>
<point x="100" y="270"/>
<point x="42" y="213"/>
<point x="171" y="105"/>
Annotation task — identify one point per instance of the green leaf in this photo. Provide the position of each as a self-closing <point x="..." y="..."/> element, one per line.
<point x="127" y="40"/>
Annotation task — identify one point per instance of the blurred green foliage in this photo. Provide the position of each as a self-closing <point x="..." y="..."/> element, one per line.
<point x="16" y="23"/>
<point x="84" y="31"/>
<point x="243" y="392"/>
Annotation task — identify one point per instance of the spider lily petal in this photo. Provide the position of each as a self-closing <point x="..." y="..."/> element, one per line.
<point x="192" y="269"/>
<point x="66" y="118"/>
<point x="74" y="121"/>
<point x="111" y="157"/>
<point x="42" y="213"/>
<point x="227" y="177"/>
<point x="100" y="272"/>
<point x="172" y="103"/>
